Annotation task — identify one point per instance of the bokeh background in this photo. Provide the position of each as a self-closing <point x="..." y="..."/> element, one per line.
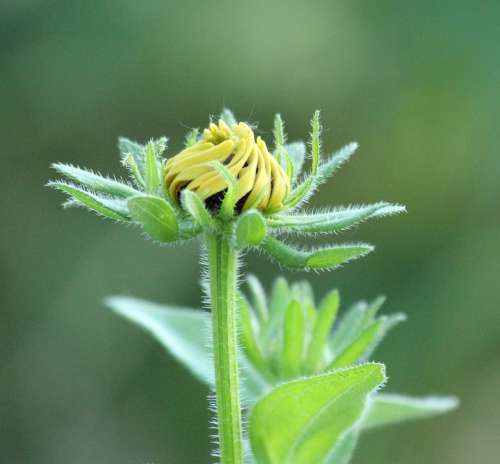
<point x="416" y="83"/>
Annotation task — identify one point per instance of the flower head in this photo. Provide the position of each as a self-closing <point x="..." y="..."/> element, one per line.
<point x="261" y="182"/>
<point x="226" y="181"/>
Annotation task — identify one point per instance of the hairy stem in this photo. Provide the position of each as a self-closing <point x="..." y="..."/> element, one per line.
<point x="222" y="270"/>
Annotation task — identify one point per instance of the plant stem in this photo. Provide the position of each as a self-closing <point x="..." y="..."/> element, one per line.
<point x="222" y="270"/>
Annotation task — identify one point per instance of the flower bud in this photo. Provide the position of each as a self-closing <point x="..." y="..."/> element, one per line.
<point x="262" y="183"/>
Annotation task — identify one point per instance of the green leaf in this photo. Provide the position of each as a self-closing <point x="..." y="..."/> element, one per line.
<point x="293" y="340"/>
<point x="280" y="298"/>
<point x="186" y="335"/>
<point x="134" y="171"/>
<point x="326" y="316"/>
<point x="111" y="208"/>
<point x="95" y="182"/>
<point x="319" y="259"/>
<point x="183" y="332"/>
<point x="250" y="229"/>
<point x="333" y="221"/>
<point x="301" y="422"/>
<point x="259" y="298"/>
<point x="196" y="208"/>
<point x="248" y="336"/>
<point x="228" y="117"/>
<point x="357" y="348"/>
<point x="231" y="195"/>
<point x="156" y="216"/>
<point x="152" y="175"/>
<point x="352" y="323"/>
<point x="388" y="409"/>
<point x="344" y="450"/>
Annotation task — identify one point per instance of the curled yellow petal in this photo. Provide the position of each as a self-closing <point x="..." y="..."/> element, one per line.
<point x="262" y="182"/>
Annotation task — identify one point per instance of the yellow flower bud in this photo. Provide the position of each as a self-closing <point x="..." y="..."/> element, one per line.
<point x="262" y="183"/>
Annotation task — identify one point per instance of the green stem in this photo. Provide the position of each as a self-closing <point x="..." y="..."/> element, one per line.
<point x="222" y="270"/>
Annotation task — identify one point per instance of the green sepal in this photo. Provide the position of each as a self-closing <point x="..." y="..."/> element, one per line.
<point x="95" y="182"/>
<point x="156" y="216"/>
<point x="231" y="194"/>
<point x="191" y="137"/>
<point x="333" y="221"/>
<point x="193" y="204"/>
<point x="387" y="409"/>
<point x="152" y="164"/>
<point x="130" y="148"/>
<point x="293" y="340"/>
<point x="134" y="171"/>
<point x="302" y="421"/>
<point x="326" y="317"/>
<point x="317" y="259"/>
<point x="112" y="208"/>
<point x="250" y="229"/>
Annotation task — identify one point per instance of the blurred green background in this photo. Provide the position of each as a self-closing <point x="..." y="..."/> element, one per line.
<point x="416" y="83"/>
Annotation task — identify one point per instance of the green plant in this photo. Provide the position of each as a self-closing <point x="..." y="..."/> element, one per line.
<point x="228" y="189"/>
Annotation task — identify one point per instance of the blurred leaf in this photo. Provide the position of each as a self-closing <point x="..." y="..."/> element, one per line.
<point x="335" y="220"/>
<point x="293" y="340"/>
<point x="186" y="335"/>
<point x="387" y="409"/>
<point x="156" y="216"/>
<point x="350" y="327"/>
<point x="136" y="150"/>
<point x="344" y="450"/>
<point x="280" y="297"/>
<point x="111" y="208"/>
<point x="297" y="153"/>
<point x="324" y="322"/>
<point x="320" y="258"/>
<point x="250" y="228"/>
<point x="95" y="182"/>
<point x="259" y="298"/>
<point x="183" y="332"/>
<point x="192" y="137"/>
<point x="300" y="422"/>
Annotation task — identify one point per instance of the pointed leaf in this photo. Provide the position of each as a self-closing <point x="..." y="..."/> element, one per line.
<point x="280" y="298"/>
<point x="95" y="182"/>
<point x="186" y="335"/>
<point x="156" y="216"/>
<point x="300" y="422"/>
<point x="324" y="322"/>
<point x="293" y="340"/>
<point x="192" y="137"/>
<point x="183" y="332"/>
<point x="388" y="409"/>
<point x="259" y="298"/>
<point x="111" y="208"/>
<point x="333" y="221"/>
<point x="250" y="229"/>
<point x="352" y="323"/>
